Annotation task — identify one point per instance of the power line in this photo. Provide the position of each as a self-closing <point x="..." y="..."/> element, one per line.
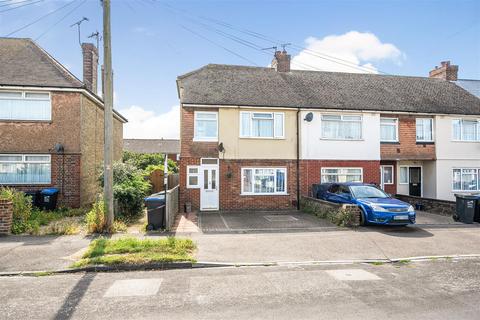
<point x="40" y="18"/>
<point x="14" y="3"/>
<point x="60" y="20"/>
<point x="23" y="5"/>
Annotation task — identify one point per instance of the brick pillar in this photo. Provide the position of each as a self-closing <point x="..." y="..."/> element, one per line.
<point x="6" y="216"/>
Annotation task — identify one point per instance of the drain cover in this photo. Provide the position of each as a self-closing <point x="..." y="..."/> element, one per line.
<point x="280" y="218"/>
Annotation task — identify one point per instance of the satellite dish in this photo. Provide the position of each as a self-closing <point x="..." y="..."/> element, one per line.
<point x="309" y="117"/>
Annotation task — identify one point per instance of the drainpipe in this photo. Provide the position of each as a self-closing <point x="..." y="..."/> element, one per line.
<point x="298" y="160"/>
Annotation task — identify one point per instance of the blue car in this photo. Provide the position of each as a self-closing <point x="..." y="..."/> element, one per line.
<point x="377" y="206"/>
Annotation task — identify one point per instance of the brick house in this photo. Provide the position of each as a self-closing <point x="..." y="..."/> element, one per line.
<point x="257" y="138"/>
<point x="51" y="123"/>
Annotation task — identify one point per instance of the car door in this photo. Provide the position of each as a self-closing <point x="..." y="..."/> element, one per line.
<point x="331" y="194"/>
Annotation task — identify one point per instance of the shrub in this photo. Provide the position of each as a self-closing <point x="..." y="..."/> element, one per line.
<point x="144" y="160"/>
<point x="22" y="210"/>
<point x="95" y="218"/>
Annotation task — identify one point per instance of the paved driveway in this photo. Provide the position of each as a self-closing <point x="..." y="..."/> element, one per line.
<point x="261" y="221"/>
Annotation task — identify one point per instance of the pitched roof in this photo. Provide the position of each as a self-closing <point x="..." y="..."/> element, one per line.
<point x="472" y="86"/>
<point x="253" y="86"/>
<point x="24" y="63"/>
<point x="169" y="146"/>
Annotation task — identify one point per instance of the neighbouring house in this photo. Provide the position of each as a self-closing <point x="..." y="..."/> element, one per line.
<point x="171" y="147"/>
<point x="51" y="123"/>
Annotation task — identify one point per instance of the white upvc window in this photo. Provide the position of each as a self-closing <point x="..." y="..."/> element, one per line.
<point x="389" y="129"/>
<point x="262" y="125"/>
<point x="264" y="181"/>
<point x="342" y="175"/>
<point x="25" y="106"/>
<point x="466" y="130"/>
<point x="206" y="126"/>
<point x="424" y="129"/>
<point x="403" y="176"/>
<point x="25" y="169"/>
<point x="341" y="127"/>
<point x="387" y="174"/>
<point x="193" y="177"/>
<point x="465" y="179"/>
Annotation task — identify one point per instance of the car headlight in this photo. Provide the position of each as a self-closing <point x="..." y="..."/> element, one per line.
<point x="411" y="209"/>
<point x="378" y="208"/>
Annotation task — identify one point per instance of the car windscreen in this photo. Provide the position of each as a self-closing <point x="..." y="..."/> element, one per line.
<point x="367" y="192"/>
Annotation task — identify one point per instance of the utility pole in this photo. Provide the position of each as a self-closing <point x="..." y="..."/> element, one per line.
<point x="108" y="101"/>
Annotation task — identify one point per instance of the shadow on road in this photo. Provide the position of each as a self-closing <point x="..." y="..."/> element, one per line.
<point x="75" y="296"/>
<point x="399" y="231"/>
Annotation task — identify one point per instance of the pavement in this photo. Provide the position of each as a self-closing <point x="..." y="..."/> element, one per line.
<point x="435" y="289"/>
<point x="266" y="237"/>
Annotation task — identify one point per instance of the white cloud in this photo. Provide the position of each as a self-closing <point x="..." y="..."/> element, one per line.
<point x="144" y="124"/>
<point x="358" y="48"/>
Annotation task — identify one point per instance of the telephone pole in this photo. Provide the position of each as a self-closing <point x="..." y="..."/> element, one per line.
<point x="108" y="100"/>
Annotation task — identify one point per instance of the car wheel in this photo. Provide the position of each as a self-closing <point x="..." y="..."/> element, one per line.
<point x="363" y="218"/>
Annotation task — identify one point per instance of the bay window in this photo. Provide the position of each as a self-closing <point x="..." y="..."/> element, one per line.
<point x="206" y="126"/>
<point x="25" y="169"/>
<point x="264" y="181"/>
<point x="424" y="129"/>
<point x="466" y="130"/>
<point x="25" y="106"/>
<point x="465" y="179"/>
<point x="262" y="124"/>
<point x="341" y="127"/>
<point x="388" y="129"/>
<point x="342" y="175"/>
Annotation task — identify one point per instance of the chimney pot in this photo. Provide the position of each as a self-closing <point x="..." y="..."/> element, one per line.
<point x="90" y="66"/>
<point x="445" y="71"/>
<point x="281" y="61"/>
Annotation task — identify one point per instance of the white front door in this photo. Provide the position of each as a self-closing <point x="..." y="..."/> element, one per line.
<point x="209" y="188"/>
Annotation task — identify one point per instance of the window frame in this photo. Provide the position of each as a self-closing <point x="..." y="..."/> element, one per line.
<point x="341" y="120"/>
<point x="193" y="186"/>
<point x="396" y="129"/>
<point x="400" y="175"/>
<point x="25" y="98"/>
<point x="206" y="139"/>
<point x="24" y="161"/>
<point x="273" y="118"/>
<point x="253" y="193"/>
<point x="393" y="174"/>
<point x="461" y="179"/>
<point x="477" y="138"/>
<point x="322" y="174"/>
<point x="431" y="125"/>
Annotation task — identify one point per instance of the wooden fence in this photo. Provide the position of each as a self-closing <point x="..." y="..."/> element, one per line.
<point x="156" y="179"/>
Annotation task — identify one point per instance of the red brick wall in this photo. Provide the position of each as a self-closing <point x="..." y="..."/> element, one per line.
<point x="187" y="195"/>
<point x="65" y="177"/>
<point x="6" y="216"/>
<point x="407" y="147"/>
<point x="391" y="188"/>
<point x="310" y="171"/>
<point x="188" y="147"/>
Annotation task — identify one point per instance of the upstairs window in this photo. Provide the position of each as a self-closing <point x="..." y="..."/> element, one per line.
<point x="25" y="169"/>
<point x="262" y="125"/>
<point x="341" y="127"/>
<point x="25" y="106"/>
<point x="388" y="129"/>
<point x="466" y="130"/>
<point x="206" y="126"/>
<point x="424" y="129"/>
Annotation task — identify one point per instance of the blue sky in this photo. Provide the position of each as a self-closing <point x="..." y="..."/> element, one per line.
<point x="151" y="43"/>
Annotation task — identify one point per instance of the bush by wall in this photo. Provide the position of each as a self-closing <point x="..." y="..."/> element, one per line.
<point x="343" y="215"/>
<point x="145" y="160"/>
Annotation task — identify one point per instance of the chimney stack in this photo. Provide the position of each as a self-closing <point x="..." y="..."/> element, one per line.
<point x="445" y="71"/>
<point x="90" y="66"/>
<point x="281" y="61"/>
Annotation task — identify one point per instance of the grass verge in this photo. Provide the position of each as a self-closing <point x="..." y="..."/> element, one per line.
<point x="137" y="251"/>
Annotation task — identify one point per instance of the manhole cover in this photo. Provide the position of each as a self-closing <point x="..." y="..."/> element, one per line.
<point x="280" y="218"/>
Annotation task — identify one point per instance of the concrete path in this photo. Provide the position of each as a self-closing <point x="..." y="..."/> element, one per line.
<point x="422" y="290"/>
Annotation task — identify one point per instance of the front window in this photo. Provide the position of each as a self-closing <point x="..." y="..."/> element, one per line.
<point x="341" y="127"/>
<point x="342" y="175"/>
<point x="262" y="124"/>
<point x="360" y="192"/>
<point x="25" y="106"/>
<point x="466" y="130"/>
<point x="388" y="129"/>
<point x="403" y="175"/>
<point x="466" y="179"/>
<point x="25" y="169"/>
<point x="206" y="126"/>
<point x="424" y="128"/>
<point x="193" y="177"/>
<point x="387" y="174"/>
<point x="264" y="180"/>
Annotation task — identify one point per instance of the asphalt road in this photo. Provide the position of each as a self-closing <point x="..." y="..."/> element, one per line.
<point x="421" y="290"/>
